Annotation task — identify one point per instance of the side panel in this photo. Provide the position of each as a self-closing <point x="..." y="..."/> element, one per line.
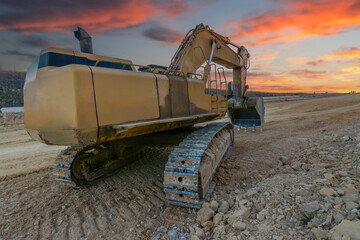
<point x="179" y="96"/>
<point x="199" y="101"/>
<point x="59" y="106"/>
<point x="124" y="96"/>
<point x="164" y="96"/>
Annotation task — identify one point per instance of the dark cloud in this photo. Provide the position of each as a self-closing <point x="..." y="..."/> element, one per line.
<point x="35" y="41"/>
<point x="19" y="53"/>
<point x="164" y="34"/>
<point x="94" y="15"/>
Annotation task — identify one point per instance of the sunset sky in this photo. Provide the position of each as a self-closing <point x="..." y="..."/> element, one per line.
<point x="295" y="45"/>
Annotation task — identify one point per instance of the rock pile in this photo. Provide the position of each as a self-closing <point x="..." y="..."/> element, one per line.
<point x="314" y="194"/>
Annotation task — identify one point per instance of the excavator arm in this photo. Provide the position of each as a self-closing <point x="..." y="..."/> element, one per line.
<point x="203" y="45"/>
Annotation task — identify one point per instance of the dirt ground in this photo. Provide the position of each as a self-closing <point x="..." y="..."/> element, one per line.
<point x="131" y="204"/>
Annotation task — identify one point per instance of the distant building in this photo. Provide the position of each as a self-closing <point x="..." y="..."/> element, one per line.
<point x="12" y="115"/>
<point x="12" y="109"/>
<point x="352" y="92"/>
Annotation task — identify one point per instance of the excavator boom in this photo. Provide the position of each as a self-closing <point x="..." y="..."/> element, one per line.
<point x="203" y="45"/>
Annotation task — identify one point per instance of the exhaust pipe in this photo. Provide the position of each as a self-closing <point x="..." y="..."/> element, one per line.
<point x="84" y="39"/>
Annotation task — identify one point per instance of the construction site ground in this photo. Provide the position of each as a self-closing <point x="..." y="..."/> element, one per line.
<point x="131" y="204"/>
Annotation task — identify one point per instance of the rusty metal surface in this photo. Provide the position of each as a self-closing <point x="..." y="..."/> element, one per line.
<point x="179" y="96"/>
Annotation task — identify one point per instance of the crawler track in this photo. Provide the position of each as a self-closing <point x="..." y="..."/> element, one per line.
<point x="193" y="163"/>
<point x="62" y="166"/>
<point x="79" y="166"/>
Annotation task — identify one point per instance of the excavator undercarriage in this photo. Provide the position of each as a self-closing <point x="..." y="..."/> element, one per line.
<point x="107" y="110"/>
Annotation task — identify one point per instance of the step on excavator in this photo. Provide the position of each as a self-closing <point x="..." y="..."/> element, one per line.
<point x="106" y="109"/>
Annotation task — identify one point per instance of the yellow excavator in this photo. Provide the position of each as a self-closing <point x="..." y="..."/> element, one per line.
<point x="106" y="108"/>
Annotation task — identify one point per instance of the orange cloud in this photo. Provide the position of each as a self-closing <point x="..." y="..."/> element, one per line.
<point x="48" y="16"/>
<point x="353" y="52"/>
<point x="297" y="19"/>
<point x="352" y="69"/>
<point x="303" y="80"/>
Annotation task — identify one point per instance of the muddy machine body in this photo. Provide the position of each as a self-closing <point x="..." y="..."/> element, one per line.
<point x="105" y="108"/>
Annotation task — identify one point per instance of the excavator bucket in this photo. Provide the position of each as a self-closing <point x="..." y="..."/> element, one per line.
<point x="249" y="117"/>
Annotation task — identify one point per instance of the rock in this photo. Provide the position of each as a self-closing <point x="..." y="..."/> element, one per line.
<point x="350" y="198"/>
<point x="275" y="237"/>
<point x="332" y="179"/>
<point x="347" y="161"/>
<point x="242" y="202"/>
<point x="251" y="193"/>
<point x="319" y="233"/>
<point x="351" y="205"/>
<point x="346" y="230"/>
<point x="323" y="152"/>
<point x="350" y="191"/>
<point x="287" y="169"/>
<point x="218" y="218"/>
<point x="172" y="234"/>
<point x="306" y="167"/>
<point x="337" y="206"/>
<point x="110" y="217"/>
<point x="280" y="218"/>
<point x="285" y="160"/>
<point x="261" y="215"/>
<point x="316" y="222"/>
<point x="309" y="209"/>
<point x="204" y="214"/>
<point x="331" y="158"/>
<point x="214" y="205"/>
<point x="346" y="138"/>
<point x="224" y="207"/>
<point x="239" y="226"/>
<point x="218" y="231"/>
<point x="329" y="176"/>
<point x="231" y="201"/>
<point x="232" y="238"/>
<point x="322" y="181"/>
<point x="328" y="192"/>
<point x="338" y="218"/>
<point x="207" y="225"/>
<point x="326" y="207"/>
<point x="296" y="165"/>
<point x="195" y="237"/>
<point x="162" y="229"/>
<point x="338" y="200"/>
<point x="241" y="214"/>
<point x="340" y="192"/>
<point x="199" y="233"/>
<point x="343" y="173"/>
<point x="205" y="205"/>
